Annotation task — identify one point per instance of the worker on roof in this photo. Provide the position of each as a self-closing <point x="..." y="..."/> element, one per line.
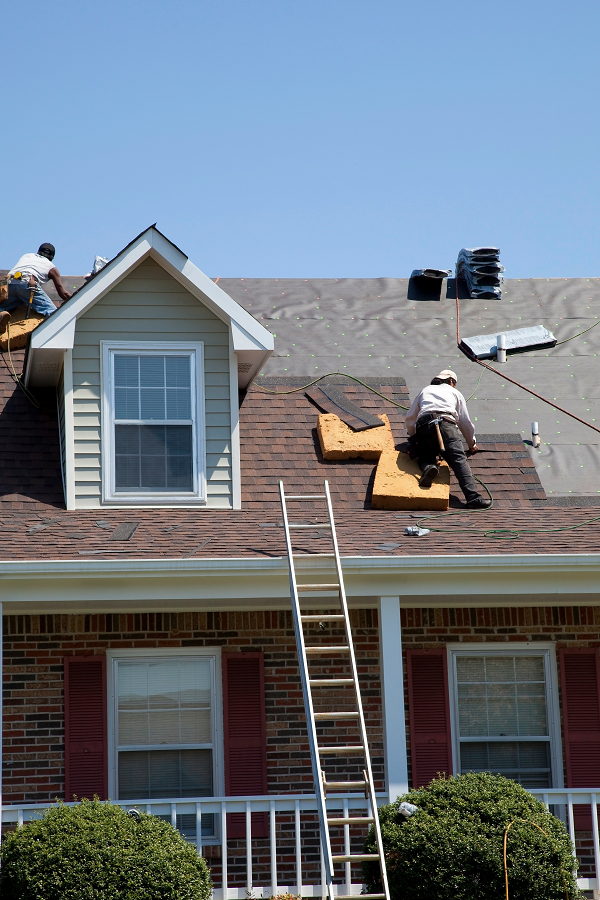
<point x="31" y="271"/>
<point x="441" y="405"/>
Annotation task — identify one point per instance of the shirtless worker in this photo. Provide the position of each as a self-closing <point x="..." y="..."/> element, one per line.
<point x="31" y="271"/>
<point x="441" y="403"/>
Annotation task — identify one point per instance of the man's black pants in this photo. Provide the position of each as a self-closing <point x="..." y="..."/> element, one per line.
<point x="454" y="454"/>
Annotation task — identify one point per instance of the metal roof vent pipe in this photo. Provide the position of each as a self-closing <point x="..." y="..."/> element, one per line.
<point x="535" y="435"/>
<point x="501" y="348"/>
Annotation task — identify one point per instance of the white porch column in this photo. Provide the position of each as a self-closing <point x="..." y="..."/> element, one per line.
<point x="392" y="689"/>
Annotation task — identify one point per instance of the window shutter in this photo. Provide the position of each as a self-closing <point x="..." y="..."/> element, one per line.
<point x="245" y="736"/>
<point x="86" y="769"/>
<point x="580" y="682"/>
<point x="429" y="715"/>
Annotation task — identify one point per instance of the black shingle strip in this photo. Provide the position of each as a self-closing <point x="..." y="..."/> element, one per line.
<point x="334" y="401"/>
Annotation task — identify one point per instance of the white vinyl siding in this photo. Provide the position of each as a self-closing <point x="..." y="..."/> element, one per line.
<point x="150" y="305"/>
<point x="503" y="714"/>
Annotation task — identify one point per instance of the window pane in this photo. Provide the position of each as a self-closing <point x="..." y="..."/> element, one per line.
<point x="127" y="403"/>
<point x="178" y="372"/>
<point x="153" y="457"/>
<point x="153" y="774"/>
<point x="501" y="696"/>
<point x="179" y="404"/>
<point x="152" y="403"/>
<point x="152" y="371"/>
<point x="527" y="762"/>
<point x="126" y="370"/>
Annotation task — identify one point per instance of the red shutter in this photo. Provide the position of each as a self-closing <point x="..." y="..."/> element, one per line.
<point x="429" y="715"/>
<point x="245" y="736"/>
<point x="580" y="682"/>
<point x="86" y="769"/>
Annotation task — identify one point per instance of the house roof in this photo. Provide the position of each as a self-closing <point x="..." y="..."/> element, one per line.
<point x="278" y="432"/>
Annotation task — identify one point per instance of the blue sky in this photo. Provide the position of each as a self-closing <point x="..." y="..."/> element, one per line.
<point x="304" y="138"/>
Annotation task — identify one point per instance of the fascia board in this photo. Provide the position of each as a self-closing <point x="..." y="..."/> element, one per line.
<point x="244" y="341"/>
<point x="514" y="580"/>
<point x="55" y="327"/>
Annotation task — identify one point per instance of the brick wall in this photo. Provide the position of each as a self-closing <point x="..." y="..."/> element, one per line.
<point x="34" y="647"/>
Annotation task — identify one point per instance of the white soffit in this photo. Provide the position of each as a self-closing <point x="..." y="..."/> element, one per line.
<point x="252" y="342"/>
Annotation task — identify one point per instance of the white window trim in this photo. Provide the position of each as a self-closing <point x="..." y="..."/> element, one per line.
<point x="547" y="650"/>
<point x="154" y="498"/>
<point x="112" y="656"/>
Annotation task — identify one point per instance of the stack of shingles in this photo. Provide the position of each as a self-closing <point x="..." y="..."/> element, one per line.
<point x="480" y="267"/>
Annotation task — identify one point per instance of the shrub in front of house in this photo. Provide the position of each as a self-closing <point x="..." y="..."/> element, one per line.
<point x="96" y="851"/>
<point x="452" y="847"/>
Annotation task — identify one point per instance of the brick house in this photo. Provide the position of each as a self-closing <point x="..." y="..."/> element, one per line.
<point x="148" y="649"/>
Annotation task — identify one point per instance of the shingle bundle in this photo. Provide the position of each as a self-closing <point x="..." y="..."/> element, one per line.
<point x="480" y="268"/>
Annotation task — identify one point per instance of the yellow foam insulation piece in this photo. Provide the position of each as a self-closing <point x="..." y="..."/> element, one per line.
<point x="339" y="441"/>
<point x="396" y="484"/>
<point x="20" y="328"/>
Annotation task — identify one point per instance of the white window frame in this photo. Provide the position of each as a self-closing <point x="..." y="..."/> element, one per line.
<point x="547" y="650"/>
<point x="195" y="350"/>
<point x="112" y="659"/>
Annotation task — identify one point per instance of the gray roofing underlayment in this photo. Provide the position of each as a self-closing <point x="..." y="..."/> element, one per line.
<point x="392" y="327"/>
<point x="387" y="326"/>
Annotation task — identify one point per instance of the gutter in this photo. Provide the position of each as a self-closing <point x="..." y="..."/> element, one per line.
<point x="352" y="565"/>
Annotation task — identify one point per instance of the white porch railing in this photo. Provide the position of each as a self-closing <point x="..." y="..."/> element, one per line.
<point x="204" y="822"/>
<point x="587" y="800"/>
<point x="195" y="818"/>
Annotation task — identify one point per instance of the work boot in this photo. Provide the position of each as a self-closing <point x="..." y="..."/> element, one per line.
<point x="429" y="473"/>
<point x="4" y="319"/>
<point x="479" y="503"/>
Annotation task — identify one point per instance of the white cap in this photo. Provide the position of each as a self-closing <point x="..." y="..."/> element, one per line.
<point x="447" y="373"/>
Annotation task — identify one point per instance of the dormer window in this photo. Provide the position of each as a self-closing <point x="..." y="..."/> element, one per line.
<point x="152" y="426"/>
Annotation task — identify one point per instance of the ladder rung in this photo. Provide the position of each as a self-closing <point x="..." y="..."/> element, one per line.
<point x="339" y="648"/>
<point x="322" y="525"/>
<point x="306" y="497"/>
<point x="336" y="715"/>
<point x="330" y="617"/>
<point x="318" y="587"/>
<point x="344" y="785"/>
<point x="344" y="750"/>
<point x="348" y="820"/>
<point x="355" y="857"/>
<point x="328" y="682"/>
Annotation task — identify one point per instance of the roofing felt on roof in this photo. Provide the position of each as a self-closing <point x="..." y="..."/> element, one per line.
<point x="379" y="326"/>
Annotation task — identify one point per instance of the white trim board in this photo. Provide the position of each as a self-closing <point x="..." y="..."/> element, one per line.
<point x="252" y="342"/>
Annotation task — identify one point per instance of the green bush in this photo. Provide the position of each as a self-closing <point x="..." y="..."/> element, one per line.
<point x="451" y="849"/>
<point x="95" y="851"/>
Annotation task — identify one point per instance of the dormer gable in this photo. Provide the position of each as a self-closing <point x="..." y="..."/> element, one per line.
<point x="148" y="358"/>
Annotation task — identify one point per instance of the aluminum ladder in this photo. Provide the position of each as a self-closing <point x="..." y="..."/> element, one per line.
<point x="311" y="682"/>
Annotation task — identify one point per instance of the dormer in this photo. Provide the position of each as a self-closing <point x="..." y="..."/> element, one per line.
<point x="147" y="359"/>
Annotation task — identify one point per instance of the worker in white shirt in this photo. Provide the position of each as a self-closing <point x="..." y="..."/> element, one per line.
<point x="441" y="405"/>
<point x="31" y="271"/>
